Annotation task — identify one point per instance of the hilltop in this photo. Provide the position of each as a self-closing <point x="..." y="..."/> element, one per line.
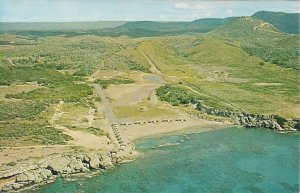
<point x="245" y="27"/>
<point x="285" y="22"/>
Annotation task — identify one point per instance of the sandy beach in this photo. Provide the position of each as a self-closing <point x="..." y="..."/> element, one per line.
<point x="133" y="132"/>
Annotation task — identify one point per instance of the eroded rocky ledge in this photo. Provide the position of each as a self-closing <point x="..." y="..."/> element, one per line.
<point x="61" y="165"/>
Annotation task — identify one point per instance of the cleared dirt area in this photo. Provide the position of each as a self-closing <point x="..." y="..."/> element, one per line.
<point x="131" y="94"/>
<point x="87" y="140"/>
<point x="80" y="138"/>
<point x="106" y="74"/>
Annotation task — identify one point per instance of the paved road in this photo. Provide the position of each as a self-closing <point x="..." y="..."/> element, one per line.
<point x="108" y="112"/>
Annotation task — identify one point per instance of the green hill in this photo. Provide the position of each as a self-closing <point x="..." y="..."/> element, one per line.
<point x="245" y="27"/>
<point x="261" y="39"/>
<point x="285" y="22"/>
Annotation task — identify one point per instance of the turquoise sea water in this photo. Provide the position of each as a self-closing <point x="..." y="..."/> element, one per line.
<point x="229" y="160"/>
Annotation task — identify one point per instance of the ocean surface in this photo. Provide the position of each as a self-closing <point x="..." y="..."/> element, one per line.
<point x="228" y="160"/>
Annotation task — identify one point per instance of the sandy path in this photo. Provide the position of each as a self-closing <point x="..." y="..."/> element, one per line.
<point x="10" y="61"/>
<point x="153" y="98"/>
<point x="104" y="74"/>
<point x="80" y="138"/>
<point x="85" y="139"/>
<point x="153" y="68"/>
<point x="90" y="117"/>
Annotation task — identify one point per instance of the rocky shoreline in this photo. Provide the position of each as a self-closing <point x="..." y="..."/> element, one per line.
<point x="65" y="166"/>
<point x="273" y="122"/>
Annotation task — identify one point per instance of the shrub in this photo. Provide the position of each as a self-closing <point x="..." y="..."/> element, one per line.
<point x="174" y="95"/>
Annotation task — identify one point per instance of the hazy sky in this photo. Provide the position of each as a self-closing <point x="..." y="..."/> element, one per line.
<point x="129" y="10"/>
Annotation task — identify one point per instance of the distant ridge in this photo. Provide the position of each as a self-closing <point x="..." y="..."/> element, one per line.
<point x="58" y="26"/>
<point x="200" y="25"/>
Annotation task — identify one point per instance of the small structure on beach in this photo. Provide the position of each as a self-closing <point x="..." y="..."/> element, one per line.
<point x="167" y="120"/>
<point x="181" y="120"/>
